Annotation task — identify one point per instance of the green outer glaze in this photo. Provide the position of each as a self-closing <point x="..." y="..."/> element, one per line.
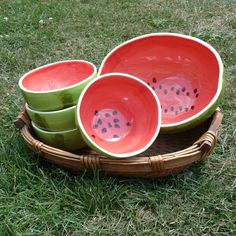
<point x="69" y="140"/>
<point x="200" y="119"/>
<point x="55" y="100"/>
<point x="94" y="147"/>
<point x="55" y="120"/>
<point x="89" y="143"/>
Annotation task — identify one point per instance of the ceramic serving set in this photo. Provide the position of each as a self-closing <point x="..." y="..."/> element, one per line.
<point x="157" y="82"/>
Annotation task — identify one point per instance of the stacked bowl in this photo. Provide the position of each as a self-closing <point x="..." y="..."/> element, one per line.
<point x="157" y="82"/>
<point x="51" y="93"/>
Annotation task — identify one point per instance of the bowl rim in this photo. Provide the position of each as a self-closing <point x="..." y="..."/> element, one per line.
<point x="111" y="154"/>
<point x="52" y="132"/>
<point x="207" y="45"/>
<point x="20" y="83"/>
<point x="28" y="108"/>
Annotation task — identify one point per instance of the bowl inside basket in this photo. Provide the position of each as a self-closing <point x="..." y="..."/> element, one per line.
<point x="57" y="75"/>
<point x="57" y="85"/>
<point x="185" y="73"/>
<point x="119" y="115"/>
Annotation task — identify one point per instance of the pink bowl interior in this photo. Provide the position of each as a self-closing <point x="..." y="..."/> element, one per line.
<point x="57" y="76"/>
<point x="119" y="114"/>
<point x="184" y="73"/>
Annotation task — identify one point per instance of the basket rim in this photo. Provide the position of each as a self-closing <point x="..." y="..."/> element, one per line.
<point x="200" y="149"/>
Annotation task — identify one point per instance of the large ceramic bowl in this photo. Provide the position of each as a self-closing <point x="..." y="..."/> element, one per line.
<point x="118" y="115"/>
<point x="56" y="86"/>
<point x="185" y="72"/>
<point x="69" y="140"/>
<point x="53" y="120"/>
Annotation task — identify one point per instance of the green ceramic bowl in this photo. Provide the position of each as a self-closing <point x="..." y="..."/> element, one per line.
<point x="53" y="120"/>
<point x="69" y="140"/>
<point x="56" y="86"/>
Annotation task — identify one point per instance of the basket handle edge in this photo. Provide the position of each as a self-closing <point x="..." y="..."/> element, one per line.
<point x="216" y="121"/>
<point x="22" y="119"/>
<point x="208" y="140"/>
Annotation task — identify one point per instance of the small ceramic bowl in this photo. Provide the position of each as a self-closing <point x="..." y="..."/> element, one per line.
<point x="56" y="86"/>
<point x="185" y="72"/>
<point x="69" y="140"/>
<point x="118" y="115"/>
<point x="53" y="120"/>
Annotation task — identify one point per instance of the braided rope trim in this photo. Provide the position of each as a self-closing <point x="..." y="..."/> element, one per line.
<point x="37" y="146"/>
<point x="90" y="162"/>
<point x="157" y="163"/>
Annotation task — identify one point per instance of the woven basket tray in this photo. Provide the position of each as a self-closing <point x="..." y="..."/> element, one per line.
<point x="170" y="153"/>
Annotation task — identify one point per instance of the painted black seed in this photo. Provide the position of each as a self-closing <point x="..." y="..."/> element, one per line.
<point x="128" y="124"/>
<point x="115" y="136"/>
<point x="154" y="80"/>
<point x="95" y="126"/>
<point x="109" y="125"/>
<point x="114" y="113"/>
<point x="172" y="108"/>
<point x="99" y="121"/>
<point x="177" y="92"/>
<point x="195" y="90"/>
<point x="116" y="120"/>
<point x="93" y="135"/>
<point x="192" y="107"/>
<point x="107" y="115"/>
<point x="165" y="110"/>
<point x="197" y="95"/>
<point x="148" y="83"/>
<point x="165" y="91"/>
<point x="183" y="89"/>
<point x="186" y="109"/>
<point x="104" y="130"/>
<point x="176" y="113"/>
<point x="180" y="108"/>
<point x="187" y="93"/>
<point x="160" y="86"/>
<point x="117" y="126"/>
<point x="153" y="87"/>
<point x="172" y="88"/>
<point x="96" y="113"/>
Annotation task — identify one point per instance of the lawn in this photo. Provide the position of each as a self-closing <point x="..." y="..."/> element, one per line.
<point x="37" y="198"/>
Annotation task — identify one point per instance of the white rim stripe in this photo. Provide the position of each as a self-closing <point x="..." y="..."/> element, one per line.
<point x="28" y="108"/>
<point x="52" y="132"/>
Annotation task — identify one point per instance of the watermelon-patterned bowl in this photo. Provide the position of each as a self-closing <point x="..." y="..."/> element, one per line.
<point x="69" y="140"/>
<point x="53" y="120"/>
<point x="185" y="72"/>
<point x="118" y="115"/>
<point x="56" y="86"/>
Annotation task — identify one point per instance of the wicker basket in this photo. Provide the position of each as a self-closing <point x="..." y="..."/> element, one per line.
<point x="170" y="153"/>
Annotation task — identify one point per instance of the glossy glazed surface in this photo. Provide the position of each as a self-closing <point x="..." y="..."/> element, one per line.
<point x="119" y="115"/>
<point x="58" y="76"/>
<point x="56" y="86"/>
<point x="184" y="72"/>
<point x="60" y="120"/>
<point x="70" y="140"/>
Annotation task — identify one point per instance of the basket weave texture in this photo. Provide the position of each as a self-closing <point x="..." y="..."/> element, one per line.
<point x="170" y="153"/>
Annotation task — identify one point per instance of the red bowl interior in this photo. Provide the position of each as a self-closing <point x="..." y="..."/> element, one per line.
<point x="119" y="114"/>
<point x="57" y="75"/>
<point x="184" y="73"/>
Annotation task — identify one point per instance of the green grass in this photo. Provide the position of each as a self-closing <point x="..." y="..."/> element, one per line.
<point x="37" y="198"/>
